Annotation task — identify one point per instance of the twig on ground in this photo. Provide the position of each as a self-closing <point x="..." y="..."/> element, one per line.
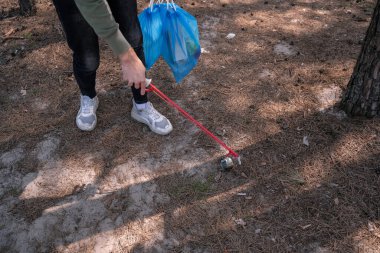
<point x="12" y="38"/>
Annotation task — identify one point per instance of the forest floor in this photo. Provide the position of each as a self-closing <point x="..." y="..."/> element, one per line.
<point x="309" y="179"/>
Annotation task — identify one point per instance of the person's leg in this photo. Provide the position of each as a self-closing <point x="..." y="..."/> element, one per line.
<point x="125" y="14"/>
<point x="83" y="41"/>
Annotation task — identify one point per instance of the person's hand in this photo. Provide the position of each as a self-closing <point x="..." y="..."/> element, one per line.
<point x="133" y="70"/>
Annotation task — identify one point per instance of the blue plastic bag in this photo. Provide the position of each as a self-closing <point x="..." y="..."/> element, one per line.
<point x="151" y="26"/>
<point x="180" y="47"/>
<point x="172" y="33"/>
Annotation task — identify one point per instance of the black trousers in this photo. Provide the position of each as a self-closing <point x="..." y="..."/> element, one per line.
<point x="84" y="42"/>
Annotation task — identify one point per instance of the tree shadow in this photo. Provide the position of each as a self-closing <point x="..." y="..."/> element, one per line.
<point x="287" y="211"/>
<point x="9" y="13"/>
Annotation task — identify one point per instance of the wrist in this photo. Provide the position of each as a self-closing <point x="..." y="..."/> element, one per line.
<point x="128" y="56"/>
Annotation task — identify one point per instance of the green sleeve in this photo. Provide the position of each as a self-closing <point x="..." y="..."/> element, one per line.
<point x="98" y="14"/>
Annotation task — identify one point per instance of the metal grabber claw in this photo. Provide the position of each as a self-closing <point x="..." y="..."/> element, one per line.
<point x="227" y="163"/>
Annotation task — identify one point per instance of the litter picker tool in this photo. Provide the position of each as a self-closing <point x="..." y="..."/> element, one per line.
<point x="227" y="162"/>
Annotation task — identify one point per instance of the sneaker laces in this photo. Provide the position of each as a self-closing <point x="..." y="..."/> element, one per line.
<point x="153" y="113"/>
<point x="88" y="106"/>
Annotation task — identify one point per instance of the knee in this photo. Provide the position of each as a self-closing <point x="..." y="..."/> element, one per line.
<point x="86" y="62"/>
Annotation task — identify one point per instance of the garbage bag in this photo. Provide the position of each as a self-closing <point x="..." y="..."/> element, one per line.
<point x="180" y="47"/>
<point x="170" y="32"/>
<point x="151" y="27"/>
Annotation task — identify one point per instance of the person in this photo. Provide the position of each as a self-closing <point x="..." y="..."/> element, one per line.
<point x="116" y="22"/>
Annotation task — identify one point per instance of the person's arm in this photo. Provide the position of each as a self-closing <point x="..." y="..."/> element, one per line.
<point x="98" y="14"/>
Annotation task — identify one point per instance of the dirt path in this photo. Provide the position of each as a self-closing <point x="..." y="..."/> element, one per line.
<point x="310" y="176"/>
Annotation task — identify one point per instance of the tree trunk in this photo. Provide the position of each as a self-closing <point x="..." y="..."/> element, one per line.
<point x="27" y="7"/>
<point x="362" y="97"/>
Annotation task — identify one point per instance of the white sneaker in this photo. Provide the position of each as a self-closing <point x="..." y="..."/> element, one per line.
<point x="152" y="118"/>
<point x="86" y="117"/>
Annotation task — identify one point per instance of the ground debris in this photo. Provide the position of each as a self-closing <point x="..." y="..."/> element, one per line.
<point x="240" y="222"/>
<point x="305" y="141"/>
<point x="230" y="36"/>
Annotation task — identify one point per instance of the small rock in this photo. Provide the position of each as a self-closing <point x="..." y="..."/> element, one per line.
<point x="204" y="51"/>
<point x="240" y="222"/>
<point x="371" y="226"/>
<point x="230" y="36"/>
<point x="305" y="141"/>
